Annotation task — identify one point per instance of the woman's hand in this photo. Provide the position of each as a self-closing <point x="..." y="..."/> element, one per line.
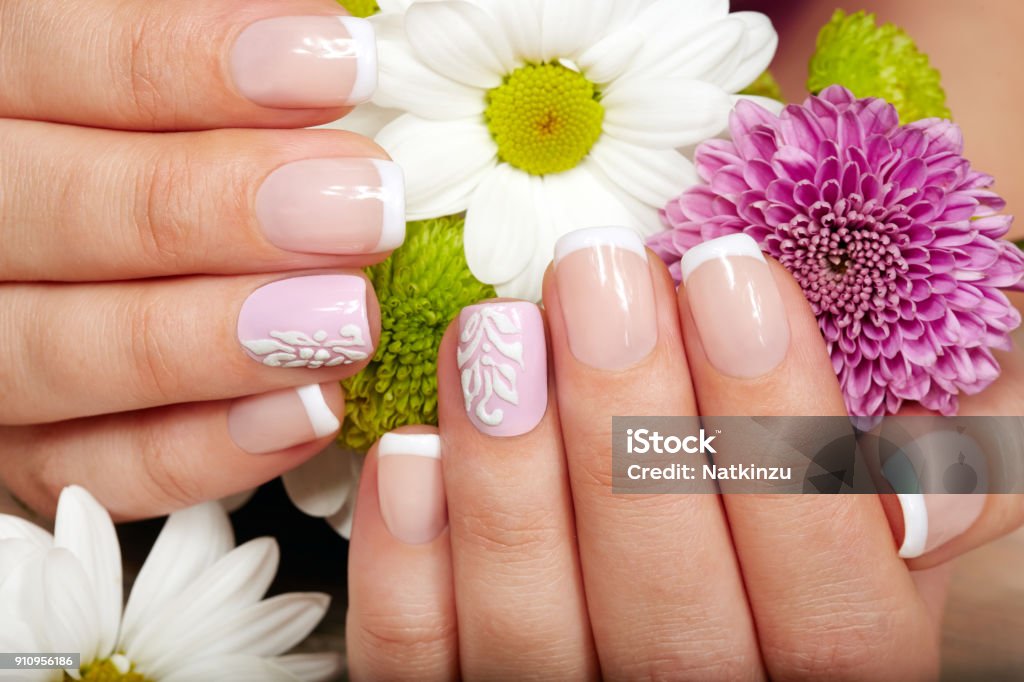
<point x="177" y="258"/>
<point x="499" y="550"/>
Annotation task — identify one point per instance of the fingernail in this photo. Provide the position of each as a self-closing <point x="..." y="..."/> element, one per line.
<point x="502" y="359"/>
<point x="315" y="321"/>
<point x="306" y="62"/>
<point x="410" y="487"/>
<point x="736" y="306"/>
<point x="278" y="420"/>
<point x="945" y="461"/>
<point x="334" y="206"/>
<point x="606" y="296"/>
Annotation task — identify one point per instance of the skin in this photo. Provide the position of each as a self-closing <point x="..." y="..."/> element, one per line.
<point x="537" y="576"/>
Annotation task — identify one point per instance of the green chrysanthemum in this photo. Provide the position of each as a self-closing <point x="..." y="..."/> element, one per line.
<point x="765" y="86"/>
<point x="360" y="8"/>
<point x="421" y="288"/>
<point x="877" y="61"/>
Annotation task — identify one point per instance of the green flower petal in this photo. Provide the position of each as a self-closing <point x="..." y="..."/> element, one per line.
<point x="421" y="288"/>
<point x="877" y="61"/>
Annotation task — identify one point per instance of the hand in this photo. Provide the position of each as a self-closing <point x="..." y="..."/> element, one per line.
<point x="159" y="215"/>
<point x="498" y="549"/>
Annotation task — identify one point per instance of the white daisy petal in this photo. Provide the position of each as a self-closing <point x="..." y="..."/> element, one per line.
<point x="759" y="44"/>
<point x="443" y="162"/>
<point x="233" y="503"/>
<point x="190" y="542"/>
<point x="237" y="580"/>
<point x="459" y="40"/>
<point x="312" y="667"/>
<point x="14" y="553"/>
<point x="265" y="629"/>
<point x="366" y="119"/>
<point x="520" y="21"/>
<point x="406" y="83"/>
<point x="569" y="26"/>
<point x="17" y="635"/>
<point x="501" y="224"/>
<point x="84" y="527"/>
<point x="650" y="175"/>
<point x="609" y="57"/>
<point x="16" y="527"/>
<point x="772" y="105"/>
<point x="323" y="484"/>
<point x="711" y="53"/>
<point x="341" y="521"/>
<point x="664" y="113"/>
<point x="72" y="612"/>
<point x="229" y="669"/>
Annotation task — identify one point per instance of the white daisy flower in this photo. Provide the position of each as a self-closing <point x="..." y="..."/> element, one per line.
<point x="196" y="610"/>
<point x="538" y="117"/>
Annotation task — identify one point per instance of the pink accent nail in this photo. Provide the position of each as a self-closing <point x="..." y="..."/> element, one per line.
<point x="306" y="62"/>
<point x="502" y="359"/>
<point x="315" y="321"/>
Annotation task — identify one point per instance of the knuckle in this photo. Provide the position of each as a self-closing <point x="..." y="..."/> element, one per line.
<point x="165" y="234"/>
<point x="165" y="475"/>
<point x="144" y="98"/>
<point x="511" y="533"/>
<point x="411" y="636"/>
<point x="149" y="349"/>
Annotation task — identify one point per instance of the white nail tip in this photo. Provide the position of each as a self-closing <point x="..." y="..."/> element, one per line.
<point x="723" y="247"/>
<point x="365" y="41"/>
<point x="392" y="179"/>
<point x="323" y="421"/>
<point x="594" y="237"/>
<point x="915" y="524"/>
<point x="416" y="444"/>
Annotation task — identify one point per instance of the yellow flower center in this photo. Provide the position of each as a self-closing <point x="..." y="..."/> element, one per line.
<point x="360" y="8"/>
<point x="117" y="668"/>
<point x="545" y="118"/>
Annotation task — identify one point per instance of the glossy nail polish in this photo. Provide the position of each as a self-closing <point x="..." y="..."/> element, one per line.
<point x="306" y="62"/>
<point x="278" y="420"/>
<point x="502" y="361"/>
<point x="334" y="206"/>
<point x="314" y="321"/>
<point x="736" y="306"/>
<point x="410" y="487"/>
<point x="607" y="297"/>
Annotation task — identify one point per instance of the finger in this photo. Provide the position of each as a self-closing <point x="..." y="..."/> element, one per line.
<point x="89" y="349"/>
<point x="90" y="205"/>
<point x="401" y="614"/>
<point x="754" y="348"/>
<point x="240" y="63"/>
<point x="513" y="540"/>
<point x="617" y="350"/>
<point x="153" y="462"/>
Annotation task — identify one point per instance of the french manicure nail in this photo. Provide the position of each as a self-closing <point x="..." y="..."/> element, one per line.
<point x="736" y="306"/>
<point x="334" y="206"/>
<point x="607" y="297"/>
<point x="278" y="420"/>
<point x="502" y="360"/>
<point x="313" y="321"/>
<point x="410" y="487"/>
<point x="306" y="62"/>
<point x="930" y="520"/>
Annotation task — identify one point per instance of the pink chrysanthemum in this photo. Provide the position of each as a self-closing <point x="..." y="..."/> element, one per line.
<point x="895" y="240"/>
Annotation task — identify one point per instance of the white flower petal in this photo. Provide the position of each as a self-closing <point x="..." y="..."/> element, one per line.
<point x="17" y="635"/>
<point x="233" y="503"/>
<point x="443" y="161"/>
<point x="322" y="485"/>
<point x="14" y="553"/>
<point x="772" y="105"/>
<point x="394" y="5"/>
<point x="501" y="224"/>
<point x="268" y="628"/>
<point x="651" y="176"/>
<point x="406" y="83"/>
<point x="569" y="26"/>
<point x="17" y="527"/>
<point x="72" y="612"/>
<point x="520" y="22"/>
<point x="236" y="581"/>
<point x="461" y="41"/>
<point x="341" y="521"/>
<point x="313" y="667"/>
<point x="190" y="542"/>
<point x="84" y="527"/>
<point x="608" y="58"/>
<point x="229" y="669"/>
<point x="759" y="44"/>
<point x="665" y="113"/>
